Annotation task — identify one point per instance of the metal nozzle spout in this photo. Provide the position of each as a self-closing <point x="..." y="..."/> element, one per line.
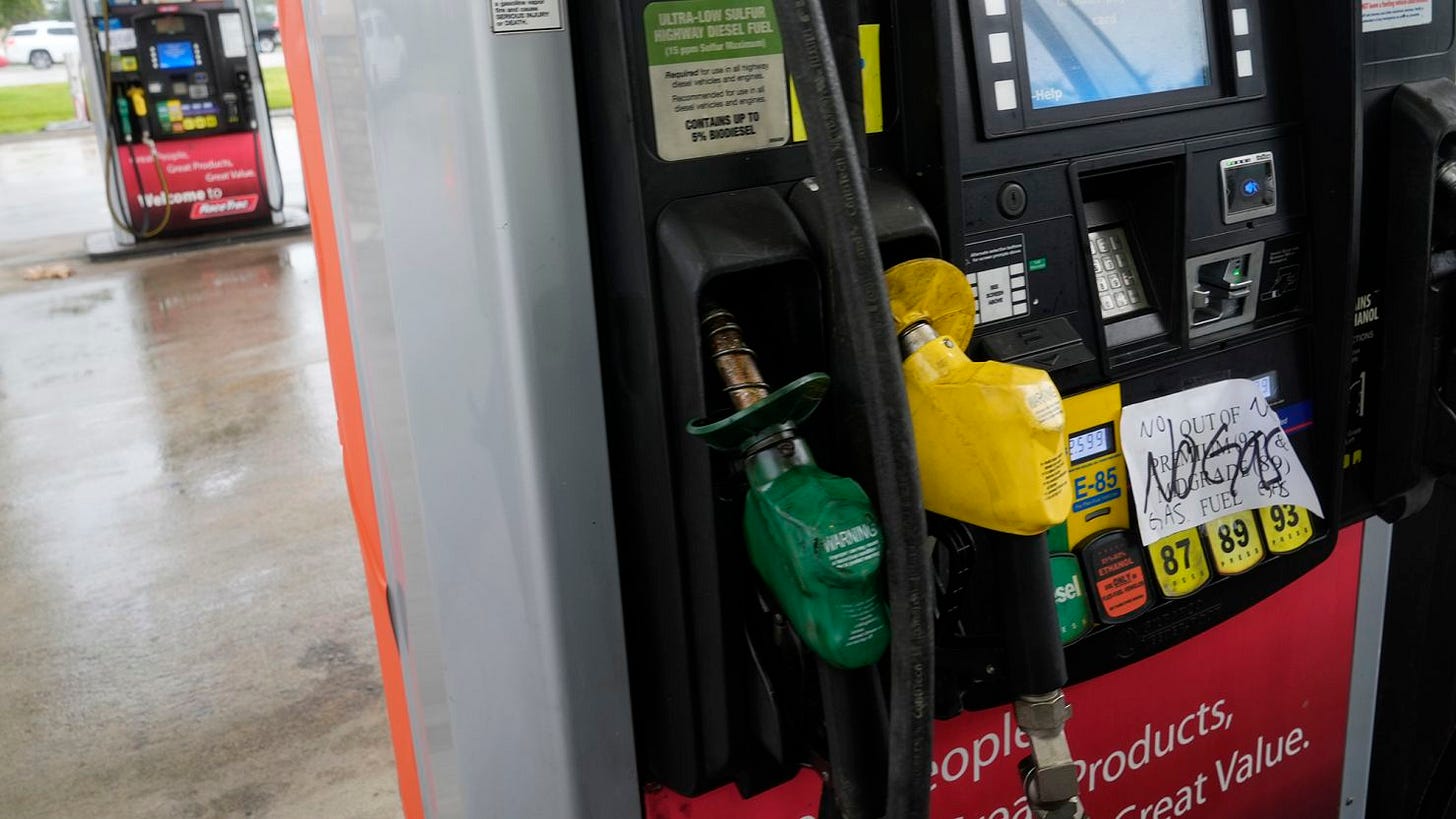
<point x="735" y="360"/>
<point x="915" y="336"/>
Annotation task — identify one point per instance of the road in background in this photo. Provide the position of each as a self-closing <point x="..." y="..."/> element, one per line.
<point x="21" y="74"/>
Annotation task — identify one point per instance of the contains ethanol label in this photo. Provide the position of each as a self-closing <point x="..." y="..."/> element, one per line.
<point x="718" y="81"/>
<point x="1115" y="572"/>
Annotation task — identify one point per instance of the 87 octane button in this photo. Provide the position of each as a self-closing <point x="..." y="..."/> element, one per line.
<point x="1180" y="563"/>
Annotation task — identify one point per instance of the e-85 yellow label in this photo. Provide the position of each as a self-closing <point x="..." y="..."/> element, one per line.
<point x="1286" y="528"/>
<point x="1235" y="543"/>
<point x="1179" y="563"/>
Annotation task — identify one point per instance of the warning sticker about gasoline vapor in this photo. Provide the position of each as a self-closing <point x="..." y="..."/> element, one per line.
<point x="718" y="82"/>
<point x="1380" y="15"/>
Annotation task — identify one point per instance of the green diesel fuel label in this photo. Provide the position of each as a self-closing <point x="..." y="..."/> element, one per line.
<point x="717" y="76"/>
<point x="1073" y="611"/>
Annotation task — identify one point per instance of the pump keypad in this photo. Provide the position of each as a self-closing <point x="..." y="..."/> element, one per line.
<point x="1119" y="287"/>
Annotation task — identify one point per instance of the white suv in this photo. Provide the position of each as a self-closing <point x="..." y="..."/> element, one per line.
<point x="42" y="43"/>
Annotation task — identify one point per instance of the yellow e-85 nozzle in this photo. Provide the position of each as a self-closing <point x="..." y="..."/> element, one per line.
<point x="991" y="437"/>
<point x="138" y="99"/>
<point x="992" y="442"/>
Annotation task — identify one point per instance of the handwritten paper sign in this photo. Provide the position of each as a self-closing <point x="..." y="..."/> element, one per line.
<point x="1208" y="452"/>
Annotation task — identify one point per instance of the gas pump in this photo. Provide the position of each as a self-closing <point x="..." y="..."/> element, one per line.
<point x="1071" y="282"/>
<point x="1114" y="209"/>
<point x="185" y="136"/>
<point x="1400" y="452"/>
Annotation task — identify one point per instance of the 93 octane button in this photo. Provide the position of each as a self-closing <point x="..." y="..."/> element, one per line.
<point x="1235" y="543"/>
<point x="1286" y="528"/>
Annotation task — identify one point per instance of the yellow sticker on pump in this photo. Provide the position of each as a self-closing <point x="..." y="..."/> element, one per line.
<point x="1235" y="542"/>
<point x="874" y="105"/>
<point x="1180" y="563"/>
<point x="1286" y="528"/>
<point x="1099" y="498"/>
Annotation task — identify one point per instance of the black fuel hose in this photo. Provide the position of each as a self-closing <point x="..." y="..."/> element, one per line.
<point x="1035" y="662"/>
<point x="859" y="296"/>
<point x="842" y="19"/>
<point x="855" y="733"/>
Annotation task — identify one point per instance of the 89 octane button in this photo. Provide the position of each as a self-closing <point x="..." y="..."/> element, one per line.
<point x="1235" y="543"/>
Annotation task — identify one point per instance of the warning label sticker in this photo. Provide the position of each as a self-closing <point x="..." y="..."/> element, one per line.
<point x="718" y="82"/>
<point x="515" y="16"/>
<point x="1379" y="15"/>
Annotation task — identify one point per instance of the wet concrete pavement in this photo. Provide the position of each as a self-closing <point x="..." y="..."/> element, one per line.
<point x="185" y="627"/>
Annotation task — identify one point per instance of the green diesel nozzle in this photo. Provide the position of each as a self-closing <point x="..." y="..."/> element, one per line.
<point x="811" y="535"/>
<point x="124" y="112"/>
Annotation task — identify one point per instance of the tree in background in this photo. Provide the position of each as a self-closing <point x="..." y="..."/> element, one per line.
<point x="59" y="9"/>
<point x="20" y="11"/>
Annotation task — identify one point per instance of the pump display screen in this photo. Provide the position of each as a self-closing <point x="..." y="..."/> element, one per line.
<point x="1081" y="51"/>
<point x="170" y="25"/>
<point x="175" y="54"/>
<point x="1268" y="385"/>
<point x="1084" y="446"/>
